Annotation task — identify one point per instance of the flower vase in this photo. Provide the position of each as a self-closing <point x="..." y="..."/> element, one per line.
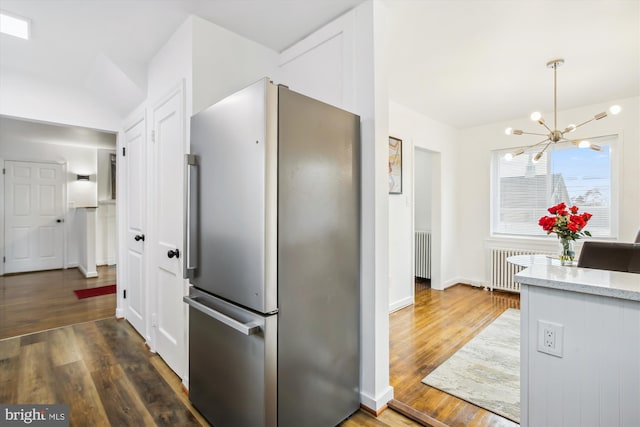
<point x="567" y="251"/>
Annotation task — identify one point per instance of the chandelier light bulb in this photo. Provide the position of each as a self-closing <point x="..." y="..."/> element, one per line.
<point x="615" y="109"/>
<point x="509" y="156"/>
<point x="508" y="131"/>
<point x="584" y="144"/>
<point x="537" y="158"/>
<point x="536" y="115"/>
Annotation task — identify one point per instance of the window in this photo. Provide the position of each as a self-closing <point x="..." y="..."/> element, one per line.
<point x="523" y="190"/>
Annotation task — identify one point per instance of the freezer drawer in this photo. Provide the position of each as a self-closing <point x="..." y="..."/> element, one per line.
<point x="232" y="362"/>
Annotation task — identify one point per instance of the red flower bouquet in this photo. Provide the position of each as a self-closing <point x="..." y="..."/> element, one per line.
<point x="567" y="224"/>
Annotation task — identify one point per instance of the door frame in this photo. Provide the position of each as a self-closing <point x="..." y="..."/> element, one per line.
<point x="436" y="208"/>
<point x="64" y="213"/>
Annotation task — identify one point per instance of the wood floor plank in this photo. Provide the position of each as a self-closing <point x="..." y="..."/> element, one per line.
<point x="73" y="380"/>
<point x="63" y="347"/>
<point x="121" y="402"/>
<point x="9" y="368"/>
<point x="154" y="392"/>
<point x="95" y="352"/>
<point x="426" y="334"/>
<point x="388" y="418"/>
<point x="176" y="385"/>
<point x="9" y="349"/>
<point x="35" y="383"/>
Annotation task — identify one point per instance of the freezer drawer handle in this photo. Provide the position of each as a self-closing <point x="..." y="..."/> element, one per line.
<point x="191" y="216"/>
<point x="249" y="328"/>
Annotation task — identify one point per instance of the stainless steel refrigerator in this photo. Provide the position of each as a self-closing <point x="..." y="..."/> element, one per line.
<point x="273" y="254"/>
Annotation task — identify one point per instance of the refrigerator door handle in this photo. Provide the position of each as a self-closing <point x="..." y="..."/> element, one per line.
<point x="190" y="216"/>
<point x="249" y="328"/>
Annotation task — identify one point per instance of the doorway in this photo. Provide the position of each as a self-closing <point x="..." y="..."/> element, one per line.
<point x="34" y="219"/>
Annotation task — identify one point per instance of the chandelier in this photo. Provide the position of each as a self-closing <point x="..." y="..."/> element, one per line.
<point x="554" y="135"/>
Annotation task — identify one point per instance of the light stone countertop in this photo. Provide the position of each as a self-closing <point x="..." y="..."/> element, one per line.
<point x="606" y="283"/>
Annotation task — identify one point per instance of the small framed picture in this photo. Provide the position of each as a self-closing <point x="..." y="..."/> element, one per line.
<point x="395" y="165"/>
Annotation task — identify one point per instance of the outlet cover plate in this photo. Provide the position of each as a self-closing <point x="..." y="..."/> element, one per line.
<point x="550" y="338"/>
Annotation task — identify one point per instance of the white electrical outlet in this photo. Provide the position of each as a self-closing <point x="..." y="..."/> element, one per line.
<point x="550" y="338"/>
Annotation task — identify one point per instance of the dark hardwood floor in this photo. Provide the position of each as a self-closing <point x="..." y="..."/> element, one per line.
<point x="426" y="334"/>
<point x="103" y="370"/>
<point x="53" y="351"/>
<point x="32" y="302"/>
<point x="106" y="374"/>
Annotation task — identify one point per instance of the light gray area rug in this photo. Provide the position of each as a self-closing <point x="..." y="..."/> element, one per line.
<point x="486" y="371"/>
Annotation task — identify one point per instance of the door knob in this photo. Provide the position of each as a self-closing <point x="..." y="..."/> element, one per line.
<point x="139" y="237"/>
<point x="175" y="253"/>
<point x="59" y="221"/>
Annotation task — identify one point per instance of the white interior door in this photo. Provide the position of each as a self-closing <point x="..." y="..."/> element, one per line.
<point x="136" y="301"/>
<point x="33" y="216"/>
<point x="168" y="141"/>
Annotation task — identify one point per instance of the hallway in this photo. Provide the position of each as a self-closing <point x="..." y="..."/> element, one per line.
<point x="33" y="302"/>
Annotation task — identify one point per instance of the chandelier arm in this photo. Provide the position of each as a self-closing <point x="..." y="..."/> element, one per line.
<point x="545" y="125"/>
<point x="538" y="134"/>
<point x="538" y="143"/>
<point x="546" y="146"/>
<point x="584" y="123"/>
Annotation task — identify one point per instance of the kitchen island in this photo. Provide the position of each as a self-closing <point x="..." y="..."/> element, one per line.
<point x="580" y="347"/>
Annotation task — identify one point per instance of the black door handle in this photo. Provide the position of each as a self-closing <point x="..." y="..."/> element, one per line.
<point x="175" y="253"/>
<point x="139" y="237"/>
<point x="58" y="221"/>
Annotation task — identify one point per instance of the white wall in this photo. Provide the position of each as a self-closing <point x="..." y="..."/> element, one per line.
<point x="172" y="64"/>
<point x="79" y="160"/>
<point x="422" y="171"/>
<point x="224" y="62"/>
<point x="472" y="193"/>
<point x="401" y="277"/>
<point x="105" y="217"/>
<point x="344" y="64"/>
<point x="420" y="131"/>
<point x="35" y="99"/>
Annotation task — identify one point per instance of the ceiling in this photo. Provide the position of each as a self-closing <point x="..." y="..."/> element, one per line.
<point x="463" y="63"/>
<point x="18" y="131"/>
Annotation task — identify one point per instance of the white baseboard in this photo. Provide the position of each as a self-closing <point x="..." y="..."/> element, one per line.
<point x="87" y="274"/>
<point x="451" y="282"/>
<point x="376" y="404"/>
<point x="404" y="302"/>
<point x="119" y="313"/>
